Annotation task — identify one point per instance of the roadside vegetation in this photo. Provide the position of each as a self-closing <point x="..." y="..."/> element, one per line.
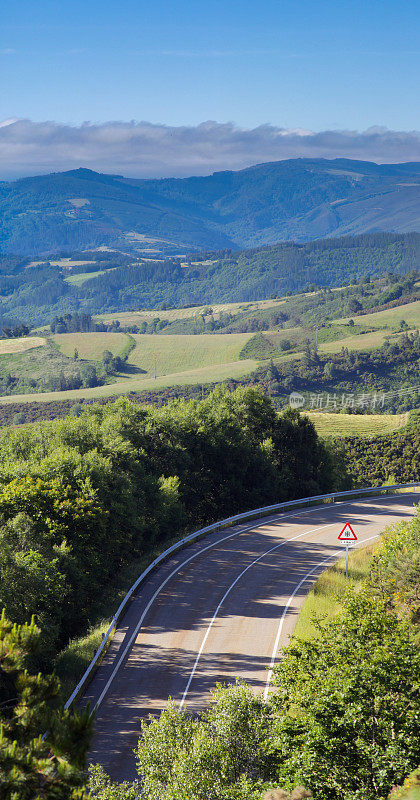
<point x="82" y="498"/>
<point x="342" y="718"/>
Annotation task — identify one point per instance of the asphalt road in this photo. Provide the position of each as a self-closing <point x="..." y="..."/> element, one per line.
<point x="220" y="609"/>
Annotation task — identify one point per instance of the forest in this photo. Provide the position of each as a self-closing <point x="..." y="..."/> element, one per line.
<point x="394" y="458"/>
<point x="41" y="292"/>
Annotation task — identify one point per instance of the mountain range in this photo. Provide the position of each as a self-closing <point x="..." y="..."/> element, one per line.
<point x="299" y="200"/>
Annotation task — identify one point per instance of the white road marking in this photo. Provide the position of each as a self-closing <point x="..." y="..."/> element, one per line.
<point x="177" y="569"/>
<point x="286" y="608"/>
<point x="152" y="599"/>
<point x="268" y="520"/>
<point x="276" y="547"/>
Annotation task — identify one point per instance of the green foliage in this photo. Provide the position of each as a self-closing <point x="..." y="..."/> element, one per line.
<point x="32" y="765"/>
<point x="82" y="497"/>
<point x="395" y="571"/>
<point x="101" y="787"/>
<point x="257" y="347"/>
<point x="225" y="754"/>
<point x="395" y="457"/>
<point x="299" y="793"/>
<point x="347" y="704"/>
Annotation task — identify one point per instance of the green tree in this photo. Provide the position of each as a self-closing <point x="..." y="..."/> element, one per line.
<point x="329" y="370"/>
<point x="33" y="765"/>
<point x="348" y="704"/>
<point x="76" y="410"/>
<point x="225" y="754"/>
<point x="101" y="787"/>
<point x="355" y="305"/>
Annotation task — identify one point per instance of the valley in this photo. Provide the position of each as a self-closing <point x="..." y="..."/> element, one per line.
<point x="210" y="400"/>
<point x="201" y="346"/>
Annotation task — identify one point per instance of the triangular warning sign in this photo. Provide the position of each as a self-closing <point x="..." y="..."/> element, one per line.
<point x="348" y="534"/>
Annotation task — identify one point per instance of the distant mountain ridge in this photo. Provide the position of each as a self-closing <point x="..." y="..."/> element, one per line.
<point x="298" y="199"/>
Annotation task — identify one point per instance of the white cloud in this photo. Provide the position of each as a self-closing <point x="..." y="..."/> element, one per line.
<point x="143" y="149"/>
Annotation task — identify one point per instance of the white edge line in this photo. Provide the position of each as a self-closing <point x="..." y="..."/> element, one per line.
<point x="209" y="627"/>
<point x="286" y="608"/>
<point x="177" y="569"/>
<point x="255" y="524"/>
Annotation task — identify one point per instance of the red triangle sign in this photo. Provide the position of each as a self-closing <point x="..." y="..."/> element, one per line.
<point x="348" y="534"/>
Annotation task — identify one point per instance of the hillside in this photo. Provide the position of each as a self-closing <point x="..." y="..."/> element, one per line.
<point x="299" y="199"/>
<point x="109" y="282"/>
<point x="268" y="343"/>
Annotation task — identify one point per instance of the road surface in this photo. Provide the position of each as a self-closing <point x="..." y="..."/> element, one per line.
<point x="219" y="609"/>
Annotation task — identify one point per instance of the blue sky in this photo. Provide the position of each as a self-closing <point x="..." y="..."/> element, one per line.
<point x="296" y="64"/>
<point x="343" y="65"/>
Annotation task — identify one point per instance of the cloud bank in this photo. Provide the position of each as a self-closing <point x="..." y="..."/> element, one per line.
<point x="145" y="150"/>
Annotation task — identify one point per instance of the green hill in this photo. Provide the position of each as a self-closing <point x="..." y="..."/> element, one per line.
<point x="298" y="199"/>
<point x="126" y="283"/>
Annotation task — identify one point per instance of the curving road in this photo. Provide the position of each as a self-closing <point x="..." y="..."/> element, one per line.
<point x="221" y="608"/>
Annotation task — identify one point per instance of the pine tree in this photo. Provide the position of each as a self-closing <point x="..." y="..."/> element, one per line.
<point x="42" y="746"/>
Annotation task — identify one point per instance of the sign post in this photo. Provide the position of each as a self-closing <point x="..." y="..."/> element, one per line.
<point x="347" y="535"/>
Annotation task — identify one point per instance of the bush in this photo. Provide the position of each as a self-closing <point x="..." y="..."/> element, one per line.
<point x="347" y="704"/>
<point x="81" y="497"/>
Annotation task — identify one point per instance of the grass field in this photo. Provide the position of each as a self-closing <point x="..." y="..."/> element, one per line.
<point x="135" y="317"/>
<point x="90" y="345"/>
<point x="338" y="425"/>
<point x="82" y="277"/>
<point x="410" y="312"/>
<point x="203" y="375"/>
<point x="20" y="345"/>
<point x="362" y="341"/>
<point x="178" y="353"/>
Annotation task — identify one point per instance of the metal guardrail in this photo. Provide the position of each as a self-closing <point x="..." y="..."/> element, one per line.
<point x="224" y="523"/>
